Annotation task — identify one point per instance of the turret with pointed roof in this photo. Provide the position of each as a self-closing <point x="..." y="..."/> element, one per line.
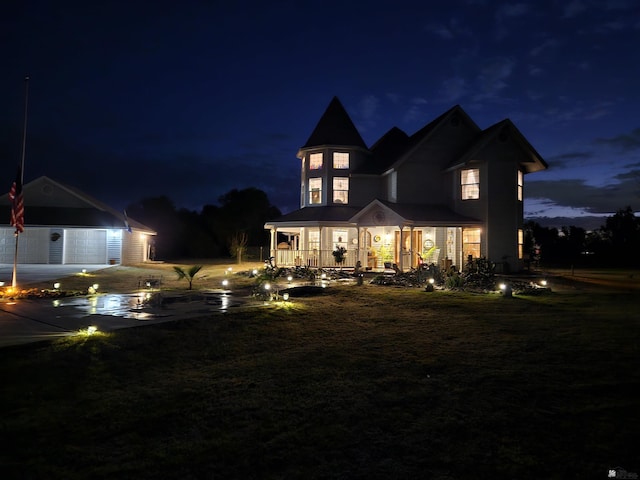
<point x="335" y="128"/>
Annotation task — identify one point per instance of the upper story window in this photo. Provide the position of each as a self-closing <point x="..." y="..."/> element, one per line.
<point x="315" y="191"/>
<point x="340" y="160"/>
<point x="315" y="161"/>
<point x="470" y="183"/>
<point x="520" y="185"/>
<point x="341" y="190"/>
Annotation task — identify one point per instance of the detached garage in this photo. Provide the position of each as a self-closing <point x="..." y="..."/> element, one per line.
<point x="66" y="226"/>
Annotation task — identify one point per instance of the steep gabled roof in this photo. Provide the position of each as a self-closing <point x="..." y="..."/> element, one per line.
<point x="393" y="158"/>
<point x="335" y="128"/>
<point x="51" y="203"/>
<point x="499" y="132"/>
<point x="389" y="147"/>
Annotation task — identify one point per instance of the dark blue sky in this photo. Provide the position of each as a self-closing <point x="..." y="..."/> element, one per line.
<point x="190" y="99"/>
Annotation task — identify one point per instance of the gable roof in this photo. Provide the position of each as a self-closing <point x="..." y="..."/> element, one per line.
<point x="500" y="132"/>
<point x="51" y="203"/>
<point x="411" y="214"/>
<point x="335" y="128"/>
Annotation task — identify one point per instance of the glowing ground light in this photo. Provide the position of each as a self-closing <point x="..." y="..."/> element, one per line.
<point x="225" y="283"/>
<point x="285" y="296"/>
<point x="543" y="283"/>
<point x="56" y="286"/>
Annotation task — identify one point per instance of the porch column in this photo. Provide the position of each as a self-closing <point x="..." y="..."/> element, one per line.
<point x="411" y="246"/>
<point x="401" y="260"/>
<point x="274" y="246"/>
<point x="320" y="260"/>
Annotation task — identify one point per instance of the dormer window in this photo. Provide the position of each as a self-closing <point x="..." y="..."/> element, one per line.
<point x="340" y="160"/>
<point x="470" y="184"/>
<point x="341" y="190"/>
<point x="315" y="191"/>
<point x="315" y="161"/>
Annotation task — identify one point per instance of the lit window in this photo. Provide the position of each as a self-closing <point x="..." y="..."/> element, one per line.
<point x="470" y="183"/>
<point x="315" y="161"/>
<point x="471" y="242"/>
<point x="340" y="190"/>
<point x="340" y="160"/>
<point x="520" y="184"/>
<point x="315" y="191"/>
<point x="520" y="243"/>
<point x="314" y="240"/>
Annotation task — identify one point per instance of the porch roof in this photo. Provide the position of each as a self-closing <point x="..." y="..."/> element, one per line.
<point x="315" y="216"/>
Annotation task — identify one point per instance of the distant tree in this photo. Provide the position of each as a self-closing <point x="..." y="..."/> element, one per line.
<point x="160" y="214"/>
<point x="247" y="211"/>
<point x="621" y="235"/>
<point x="238" y="245"/>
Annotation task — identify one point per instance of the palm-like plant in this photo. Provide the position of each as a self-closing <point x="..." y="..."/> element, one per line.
<point x="189" y="274"/>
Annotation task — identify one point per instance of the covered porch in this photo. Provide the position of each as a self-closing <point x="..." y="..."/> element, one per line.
<point x="373" y="248"/>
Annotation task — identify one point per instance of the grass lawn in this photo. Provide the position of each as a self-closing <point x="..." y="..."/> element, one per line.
<point x="363" y="382"/>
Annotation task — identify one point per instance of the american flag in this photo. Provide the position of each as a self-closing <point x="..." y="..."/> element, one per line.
<point x="17" y="203"/>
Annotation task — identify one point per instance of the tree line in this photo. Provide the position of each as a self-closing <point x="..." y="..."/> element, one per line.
<point x="216" y="231"/>
<point x="236" y="225"/>
<point x="615" y="244"/>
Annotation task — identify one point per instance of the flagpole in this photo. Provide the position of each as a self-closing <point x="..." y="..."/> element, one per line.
<point x="14" y="278"/>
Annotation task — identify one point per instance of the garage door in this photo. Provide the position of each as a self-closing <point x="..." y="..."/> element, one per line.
<point x="85" y="246"/>
<point x="33" y="245"/>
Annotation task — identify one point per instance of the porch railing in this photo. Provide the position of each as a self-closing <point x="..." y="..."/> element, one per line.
<point x="314" y="259"/>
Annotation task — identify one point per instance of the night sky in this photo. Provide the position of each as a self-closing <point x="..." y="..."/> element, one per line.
<point x="191" y="99"/>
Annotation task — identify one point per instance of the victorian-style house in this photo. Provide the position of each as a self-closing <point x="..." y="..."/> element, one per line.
<point x="446" y="193"/>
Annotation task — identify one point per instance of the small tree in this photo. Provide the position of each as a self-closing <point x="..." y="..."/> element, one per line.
<point x="189" y="274"/>
<point x="238" y="245"/>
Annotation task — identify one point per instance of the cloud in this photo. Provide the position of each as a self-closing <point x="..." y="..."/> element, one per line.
<point x="577" y="194"/>
<point x="415" y="113"/>
<point x="547" y="44"/>
<point x="565" y="160"/>
<point x="574" y="8"/>
<point x="493" y="77"/>
<point x="449" y="31"/>
<point x="509" y="10"/>
<point x="625" y="142"/>
<point x="454" y="88"/>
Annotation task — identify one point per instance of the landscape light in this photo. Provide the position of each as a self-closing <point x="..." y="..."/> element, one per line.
<point x="503" y="286"/>
<point x="225" y="283"/>
<point x="95" y="286"/>
<point x="289" y="278"/>
<point x="56" y="286"/>
<point x="267" y="286"/>
<point x="432" y="281"/>
<point x="229" y="269"/>
<point x="84" y="270"/>
<point x="285" y="296"/>
<point x="91" y="330"/>
<point x="323" y="276"/>
<point x="543" y="283"/>
<point x="255" y="271"/>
